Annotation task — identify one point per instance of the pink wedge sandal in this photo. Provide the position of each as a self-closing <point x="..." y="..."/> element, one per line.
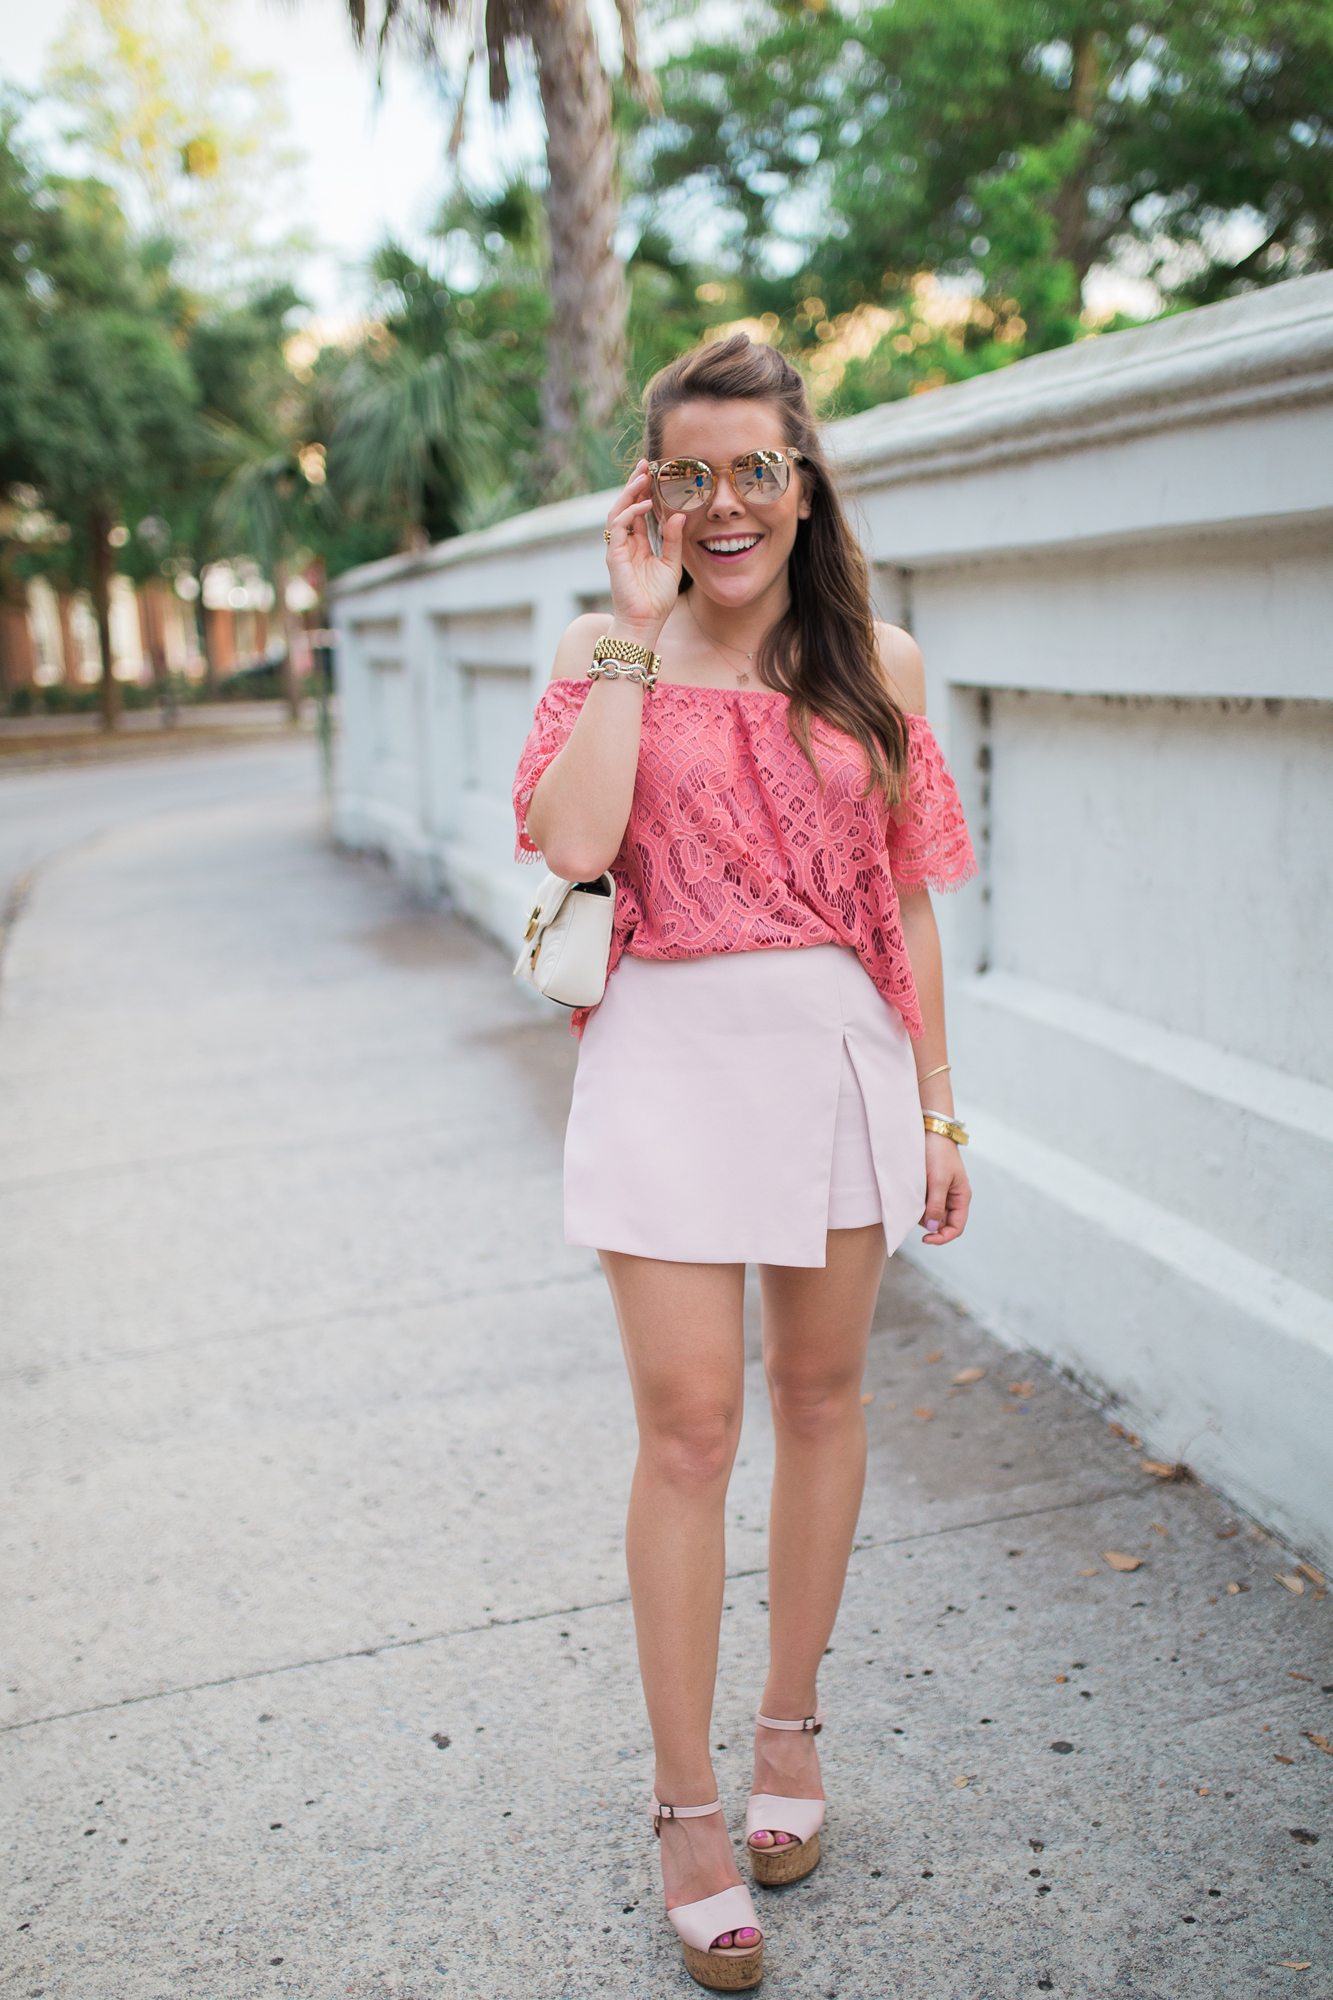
<point x="724" y="1968"/>
<point x="800" y="1818"/>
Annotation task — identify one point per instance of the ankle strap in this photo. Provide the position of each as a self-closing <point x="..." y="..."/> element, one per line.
<point x="661" y="1812"/>
<point x="812" y="1723"/>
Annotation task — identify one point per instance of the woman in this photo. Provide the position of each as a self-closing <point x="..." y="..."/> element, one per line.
<point x="745" y="748"/>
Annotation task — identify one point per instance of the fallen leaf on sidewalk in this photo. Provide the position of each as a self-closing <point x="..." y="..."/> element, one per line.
<point x="1291" y="1583"/>
<point x="960" y="1782"/>
<point x="1157" y="1528"/>
<point x="1225" y="1534"/>
<point x="975" y="1375"/>
<point x="1087" y="1572"/>
<point x="938" y="1355"/>
<point x="1308" y="1569"/>
<point x="1179" y="1475"/>
<point x="868" y="1397"/>
<point x="1117" y="1561"/>
<point x="1307" y="1678"/>
<point x="1320" y="1743"/>
<point x="1020" y="1388"/>
<point x="1296" y="1964"/>
<point x="1278" y="1759"/>
<point x="925" y="1415"/>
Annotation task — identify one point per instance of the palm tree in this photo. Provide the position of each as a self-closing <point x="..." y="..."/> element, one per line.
<point x="585" y="375"/>
<point x="413" y="427"/>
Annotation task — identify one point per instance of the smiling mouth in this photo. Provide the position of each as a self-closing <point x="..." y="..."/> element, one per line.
<point x="731" y="545"/>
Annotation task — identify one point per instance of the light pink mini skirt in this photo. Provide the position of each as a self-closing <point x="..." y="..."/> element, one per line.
<point x="734" y="1109"/>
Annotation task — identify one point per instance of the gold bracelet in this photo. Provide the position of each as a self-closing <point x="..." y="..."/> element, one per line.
<point x="627" y="657"/>
<point x="948" y="1128"/>
<point x="934" y="1072"/>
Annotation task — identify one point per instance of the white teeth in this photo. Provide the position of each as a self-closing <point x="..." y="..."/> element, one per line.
<point x="732" y="547"/>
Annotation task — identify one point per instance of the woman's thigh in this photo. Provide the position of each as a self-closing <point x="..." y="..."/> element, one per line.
<point x="817" y="1323"/>
<point x="681" y="1326"/>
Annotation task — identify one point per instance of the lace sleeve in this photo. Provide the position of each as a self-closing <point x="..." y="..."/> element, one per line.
<point x="557" y="712"/>
<point x="928" y="839"/>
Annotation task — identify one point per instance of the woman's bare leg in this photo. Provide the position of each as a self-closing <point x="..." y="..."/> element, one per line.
<point x="681" y="1326"/>
<point x="816" y="1325"/>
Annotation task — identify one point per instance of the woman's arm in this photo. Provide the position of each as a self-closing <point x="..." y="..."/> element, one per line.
<point x="581" y="805"/>
<point x="947" y="1189"/>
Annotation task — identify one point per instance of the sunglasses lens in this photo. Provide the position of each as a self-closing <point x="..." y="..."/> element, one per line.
<point x="761" y="476"/>
<point x="683" y="484"/>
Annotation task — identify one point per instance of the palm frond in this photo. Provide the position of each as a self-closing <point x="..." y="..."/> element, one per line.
<point x="410" y="418"/>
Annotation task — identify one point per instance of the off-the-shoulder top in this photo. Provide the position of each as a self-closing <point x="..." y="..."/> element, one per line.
<point x="733" y="845"/>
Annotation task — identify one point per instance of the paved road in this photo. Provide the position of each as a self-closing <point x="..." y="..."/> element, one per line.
<point x="321" y="1665"/>
<point x="48" y="812"/>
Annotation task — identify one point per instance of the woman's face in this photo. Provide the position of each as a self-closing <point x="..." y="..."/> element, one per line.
<point x="735" y="550"/>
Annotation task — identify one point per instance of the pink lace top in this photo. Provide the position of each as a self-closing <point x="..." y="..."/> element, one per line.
<point x="733" y="846"/>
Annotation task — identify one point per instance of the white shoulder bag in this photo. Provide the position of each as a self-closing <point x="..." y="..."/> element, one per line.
<point x="568" y="940"/>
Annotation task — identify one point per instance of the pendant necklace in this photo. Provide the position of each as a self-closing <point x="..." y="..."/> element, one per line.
<point x="716" y="644"/>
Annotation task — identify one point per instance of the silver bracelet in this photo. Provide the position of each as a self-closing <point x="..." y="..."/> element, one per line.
<point x="616" y="670"/>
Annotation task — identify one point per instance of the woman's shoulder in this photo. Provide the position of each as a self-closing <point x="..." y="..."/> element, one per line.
<point x="904" y="668"/>
<point x="574" y="653"/>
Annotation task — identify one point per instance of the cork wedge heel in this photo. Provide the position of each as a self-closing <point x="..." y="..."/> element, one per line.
<point x="800" y="1819"/>
<point x="727" y="1968"/>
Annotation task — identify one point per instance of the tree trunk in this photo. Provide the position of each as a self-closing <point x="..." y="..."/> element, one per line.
<point x="69" y="653"/>
<point x="1074" y="244"/>
<point x="99" y="527"/>
<point x="291" y="626"/>
<point x="585" y="374"/>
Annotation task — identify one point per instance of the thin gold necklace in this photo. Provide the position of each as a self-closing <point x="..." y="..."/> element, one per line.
<point x="717" y="645"/>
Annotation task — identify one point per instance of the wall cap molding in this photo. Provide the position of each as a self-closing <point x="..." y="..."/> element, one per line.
<point x="1243" y="355"/>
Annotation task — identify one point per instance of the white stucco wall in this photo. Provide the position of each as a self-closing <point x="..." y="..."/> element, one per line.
<point x="1117" y="560"/>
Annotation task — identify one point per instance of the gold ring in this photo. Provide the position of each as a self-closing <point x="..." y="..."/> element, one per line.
<point x="606" y="534"/>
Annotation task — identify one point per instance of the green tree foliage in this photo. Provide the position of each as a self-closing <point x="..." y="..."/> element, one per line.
<point x="1006" y="146"/>
<point x="107" y="402"/>
<point x="419" y="424"/>
<point x="190" y="138"/>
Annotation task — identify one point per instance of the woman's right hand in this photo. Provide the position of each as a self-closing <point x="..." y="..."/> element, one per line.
<point x="644" y="587"/>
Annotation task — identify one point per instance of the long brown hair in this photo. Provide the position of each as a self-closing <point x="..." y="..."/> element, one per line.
<point x="822" y="653"/>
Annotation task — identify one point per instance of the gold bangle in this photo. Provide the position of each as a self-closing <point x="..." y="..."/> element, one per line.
<point x="934" y="1072"/>
<point x="948" y="1128"/>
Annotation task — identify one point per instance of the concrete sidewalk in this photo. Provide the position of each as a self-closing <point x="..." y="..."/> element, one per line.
<point x="322" y="1673"/>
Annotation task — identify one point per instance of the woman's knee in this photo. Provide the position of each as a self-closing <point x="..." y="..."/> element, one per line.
<point x="813" y="1403"/>
<point x="690" y="1449"/>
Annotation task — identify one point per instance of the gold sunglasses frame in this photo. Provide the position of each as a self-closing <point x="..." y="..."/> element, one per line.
<point x="788" y="455"/>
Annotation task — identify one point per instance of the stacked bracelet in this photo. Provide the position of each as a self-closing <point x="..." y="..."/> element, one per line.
<point x="948" y="1128"/>
<point x="621" y="660"/>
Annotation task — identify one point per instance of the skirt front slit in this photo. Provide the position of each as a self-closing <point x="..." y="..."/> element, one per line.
<point x="732" y="1109"/>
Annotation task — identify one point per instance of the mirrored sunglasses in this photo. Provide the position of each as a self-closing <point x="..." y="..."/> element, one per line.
<point x="682" y="484"/>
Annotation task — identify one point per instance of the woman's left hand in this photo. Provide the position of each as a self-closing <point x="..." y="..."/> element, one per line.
<point x="948" y="1191"/>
